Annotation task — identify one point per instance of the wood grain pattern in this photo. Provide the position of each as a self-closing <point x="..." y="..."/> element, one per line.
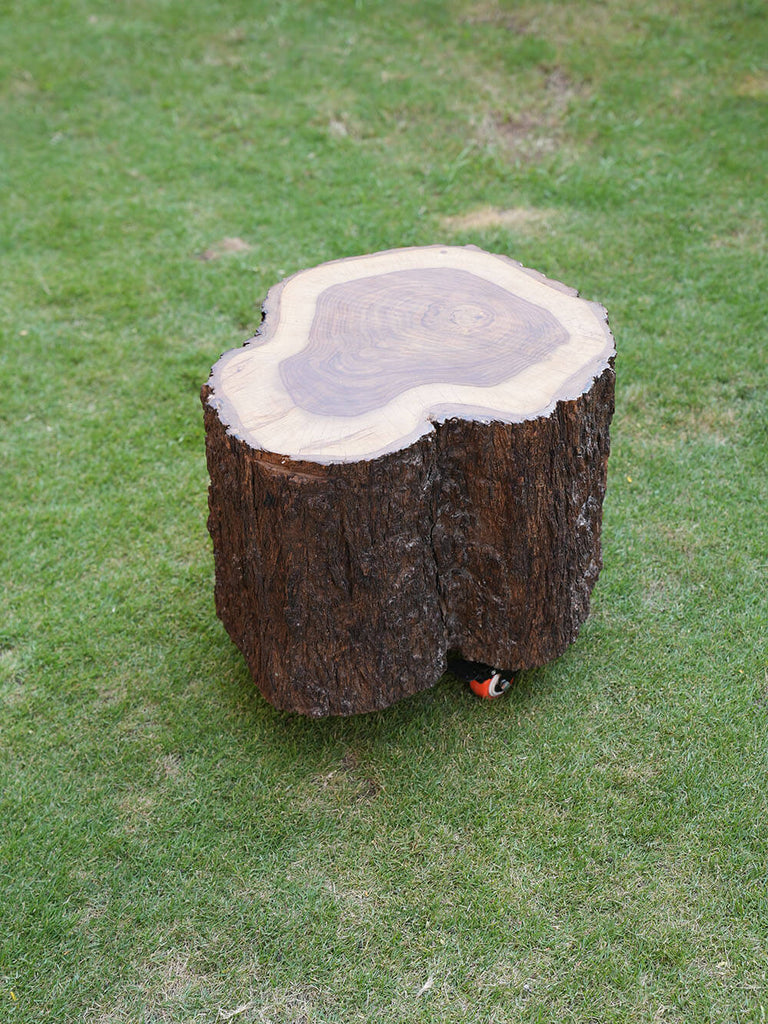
<point x="363" y="356"/>
<point x="409" y="459"/>
<point x="373" y="339"/>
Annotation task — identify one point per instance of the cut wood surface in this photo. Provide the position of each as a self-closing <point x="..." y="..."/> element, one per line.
<point x="362" y="356"/>
<point x="408" y="458"/>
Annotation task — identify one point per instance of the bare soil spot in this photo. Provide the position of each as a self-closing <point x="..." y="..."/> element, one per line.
<point x="296" y="1005"/>
<point x="178" y="977"/>
<point x="224" y="248"/>
<point x="23" y="84"/>
<point x="489" y="13"/>
<point x="170" y="766"/>
<point x="753" y="86"/>
<point x="560" y="85"/>
<point x="15" y="689"/>
<point x="493" y="217"/>
<point x="113" y="695"/>
<point x="515" y="129"/>
<point x="7" y="655"/>
<point x="750" y="234"/>
<point x="137" y="808"/>
<point x="227" y="50"/>
<point x="347" y="784"/>
<point x="530" y="132"/>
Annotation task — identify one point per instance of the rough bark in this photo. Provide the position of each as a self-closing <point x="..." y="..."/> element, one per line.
<point x="346" y="580"/>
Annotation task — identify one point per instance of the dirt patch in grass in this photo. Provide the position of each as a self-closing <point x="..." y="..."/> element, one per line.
<point x="491" y="14"/>
<point x="753" y="86"/>
<point x="750" y="234"/>
<point x="523" y="137"/>
<point x="14" y="690"/>
<point x="346" y="784"/>
<point x="537" y="129"/>
<point x="298" y="1005"/>
<point x="178" y="978"/>
<point x="228" y="50"/>
<point x="170" y="766"/>
<point x="485" y="217"/>
<point x="136" y="809"/>
<point x="224" y="247"/>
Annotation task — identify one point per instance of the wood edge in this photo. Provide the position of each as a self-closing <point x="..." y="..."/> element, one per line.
<point x="307" y="467"/>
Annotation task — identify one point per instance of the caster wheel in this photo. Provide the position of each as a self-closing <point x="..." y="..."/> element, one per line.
<point x="490" y="688"/>
<point x="483" y="680"/>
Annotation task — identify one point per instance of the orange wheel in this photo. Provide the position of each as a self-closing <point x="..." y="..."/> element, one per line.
<point x="491" y="687"/>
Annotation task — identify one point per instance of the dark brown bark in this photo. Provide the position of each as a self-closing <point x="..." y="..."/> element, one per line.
<point x="345" y="585"/>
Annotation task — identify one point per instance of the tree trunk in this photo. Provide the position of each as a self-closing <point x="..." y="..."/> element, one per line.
<point x="408" y="459"/>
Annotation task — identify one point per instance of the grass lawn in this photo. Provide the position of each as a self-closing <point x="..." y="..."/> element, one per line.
<point x="592" y="848"/>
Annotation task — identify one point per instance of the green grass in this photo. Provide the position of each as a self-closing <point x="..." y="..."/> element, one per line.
<point x="594" y="848"/>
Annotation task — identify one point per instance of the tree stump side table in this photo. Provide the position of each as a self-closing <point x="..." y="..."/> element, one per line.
<point x="409" y="458"/>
